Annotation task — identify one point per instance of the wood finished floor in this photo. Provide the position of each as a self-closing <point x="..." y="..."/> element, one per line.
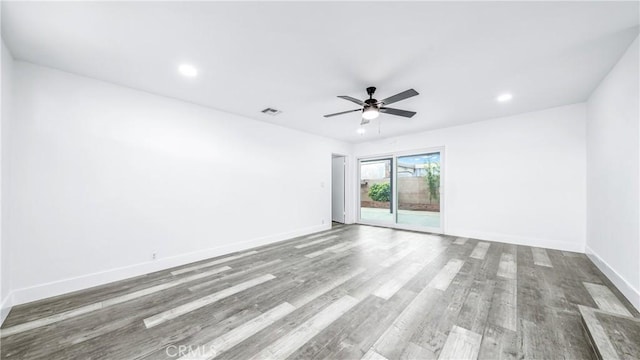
<point x="348" y="293"/>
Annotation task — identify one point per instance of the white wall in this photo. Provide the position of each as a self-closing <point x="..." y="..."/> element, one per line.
<point x="613" y="175"/>
<point x="5" y="96"/>
<point x="103" y="176"/>
<point x="519" y="179"/>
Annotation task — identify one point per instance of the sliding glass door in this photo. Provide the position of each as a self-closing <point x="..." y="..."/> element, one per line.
<point x="403" y="191"/>
<point x="419" y="190"/>
<point x="376" y="183"/>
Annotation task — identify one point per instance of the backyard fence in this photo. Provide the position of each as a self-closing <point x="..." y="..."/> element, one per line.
<point x="413" y="194"/>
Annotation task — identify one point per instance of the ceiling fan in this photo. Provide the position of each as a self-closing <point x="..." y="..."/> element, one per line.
<point x="371" y="107"/>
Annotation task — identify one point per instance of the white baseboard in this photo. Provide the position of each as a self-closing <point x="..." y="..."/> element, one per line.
<point x="632" y="294"/>
<point x="5" y="307"/>
<point x="46" y="290"/>
<point x="519" y="240"/>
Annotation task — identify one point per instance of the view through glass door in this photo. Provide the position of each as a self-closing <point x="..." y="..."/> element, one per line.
<point x="402" y="191"/>
<point x="419" y="190"/>
<point x="376" y="183"/>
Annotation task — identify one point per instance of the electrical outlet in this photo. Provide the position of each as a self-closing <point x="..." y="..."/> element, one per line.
<point x="154" y="256"/>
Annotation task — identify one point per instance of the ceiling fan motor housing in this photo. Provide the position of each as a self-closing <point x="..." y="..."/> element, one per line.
<point x="370" y="102"/>
<point x="371" y="90"/>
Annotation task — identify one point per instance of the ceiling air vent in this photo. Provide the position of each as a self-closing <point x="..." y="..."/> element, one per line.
<point x="271" y="111"/>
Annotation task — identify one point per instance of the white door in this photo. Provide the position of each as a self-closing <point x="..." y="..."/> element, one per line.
<point x="337" y="188"/>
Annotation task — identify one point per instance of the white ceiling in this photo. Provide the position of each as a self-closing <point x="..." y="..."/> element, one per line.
<point x="297" y="57"/>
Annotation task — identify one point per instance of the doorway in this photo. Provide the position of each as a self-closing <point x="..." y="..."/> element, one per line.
<point x="338" y="171"/>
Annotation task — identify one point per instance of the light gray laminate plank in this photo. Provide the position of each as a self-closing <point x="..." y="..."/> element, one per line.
<point x="481" y="282"/>
<point x="370" y="331"/>
<point x="388" y="289"/>
<point x="333" y="248"/>
<point x="391" y="260"/>
<point x="391" y="244"/>
<point x="480" y="251"/>
<point x="234" y="275"/>
<point x="95" y="331"/>
<point x="393" y="340"/>
<point x="311" y="255"/>
<point x="49" y="320"/>
<point x="455" y="306"/>
<point x="476" y="305"/>
<point x="383" y="274"/>
<point x="623" y="332"/>
<point x="507" y="267"/>
<point x="367" y="331"/>
<point x="442" y="280"/>
<point x="293" y="340"/>
<point x="605" y="299"/>
<point x="212" y="263"/>
<point x="325" y="344"/>
<point x="324" y="233"/>
<point x="307" y="297"/>
<point x="154" y="289"/>
<point x="106" y="303"/>
<point x="505" y="306"/>
<point x="346" y="247"/>
<point x="498" y="344"/>
<point x="543" y="330"/>
<point x="461" y="344"/>
<point x="598" y="334"/>
<point x="315" y="242"/>
<point x="234" y="337"/>
<point x="204" y="301"/>
<point x="372" y="355"/>
<point x="460" y="241"/>
<point x="414" y="351"/>
<point x="571" y="254"/>
<point x="540" y="257"/>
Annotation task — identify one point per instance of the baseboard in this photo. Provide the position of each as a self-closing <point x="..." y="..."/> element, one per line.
<point x="43" y="291"/>
<point x="518" y="240"/>
<point x="5" y="308"/>
<point x="632" y="294"/>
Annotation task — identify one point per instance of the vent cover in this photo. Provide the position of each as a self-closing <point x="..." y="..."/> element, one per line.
<point x="271" y="111"/>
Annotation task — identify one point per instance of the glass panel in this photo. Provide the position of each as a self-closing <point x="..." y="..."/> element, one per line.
<point x="419" y="190"/>
<point x="376" y="191"/>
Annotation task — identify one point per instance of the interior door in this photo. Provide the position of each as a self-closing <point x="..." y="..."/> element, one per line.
<point x="337" y="188"/>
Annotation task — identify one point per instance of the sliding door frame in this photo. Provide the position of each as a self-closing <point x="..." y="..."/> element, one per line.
<point x="394" y="181"/>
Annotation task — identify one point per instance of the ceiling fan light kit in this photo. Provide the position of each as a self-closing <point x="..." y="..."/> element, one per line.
<point x="371" y="108"/>
<point x="370" y="112"/>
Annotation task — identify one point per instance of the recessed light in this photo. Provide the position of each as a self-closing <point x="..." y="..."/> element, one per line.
<point x="361" y="131"/>
<point x="188" y="70"/>
<point x="504" y="97"/>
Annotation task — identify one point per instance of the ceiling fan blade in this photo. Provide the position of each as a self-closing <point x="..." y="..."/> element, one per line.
<point x="401" y="96"/>
<point x="398" y="112"/>
<point x="344" y="112"/>
<point x="352" y="99"/>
